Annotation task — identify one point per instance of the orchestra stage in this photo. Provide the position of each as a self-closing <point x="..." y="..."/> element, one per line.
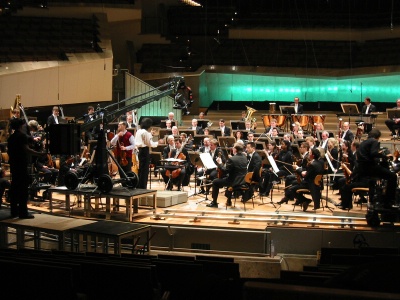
<point x="247" y="229"/>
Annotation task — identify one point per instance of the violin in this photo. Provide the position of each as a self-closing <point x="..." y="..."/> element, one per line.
<point x="347" y="173"/>
<point x="219" y="170"/>
<point x="50" y="162"/>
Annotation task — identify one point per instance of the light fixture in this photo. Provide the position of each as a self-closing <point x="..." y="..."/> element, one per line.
<point x="190" y="2"/>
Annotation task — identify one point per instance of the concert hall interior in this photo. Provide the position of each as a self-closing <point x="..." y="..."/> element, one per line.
<point x="200" y="149"/>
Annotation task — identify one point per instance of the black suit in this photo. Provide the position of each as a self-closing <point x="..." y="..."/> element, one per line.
<point x="166" y="151"/>
<point x="198" y="130"/>
<point x="51" y="120"/>
<point x="255" y="166"/>
<point x="349" y="136"/>
<point x="372" y="109"/>
<point x="184" y="170"/>
<point x="392" y="125"/>
<point x="236" y="167"/>
<point x="315" y="168"/>
<point x="227" y="131"/>
<point x="299" y="108"/>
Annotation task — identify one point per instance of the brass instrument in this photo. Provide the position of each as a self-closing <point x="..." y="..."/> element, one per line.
<point x="17" y="104"/>
<point x="209" y="124"/>
<point x="248" y="117"/>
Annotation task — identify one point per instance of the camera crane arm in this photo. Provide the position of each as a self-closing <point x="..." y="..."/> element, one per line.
<point x="171" y="87"/>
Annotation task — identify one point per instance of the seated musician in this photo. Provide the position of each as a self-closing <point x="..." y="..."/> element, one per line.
<point x="314" y="168"/>
<point x="333" y="153"/>
<point x="225" y="130"/>
<point x="175" y="131"/>
<point x="347" y="157"/>
<point x="170" y="146"/>
<point x="254" y="163"/>
<point x="298" y="108"/>
<point x="290" y="180"/>
<point x="187" y="142"/>
<point x="394" y="124"/>
<point x="236" y="170"/>
<point x="212" y="174"/>
<point x="248" y="127"/>
<point x="297" y="131"/>
<point x="346" y="134"/>
<point x="195" y="127"/>
<point x="125" y="143"/>
<point x="269" y="130"/>
<point x="45" y="166"/>
<point x="284" y="161"/>
<point x="176" y="174"/>
<point x="168" y="124"/>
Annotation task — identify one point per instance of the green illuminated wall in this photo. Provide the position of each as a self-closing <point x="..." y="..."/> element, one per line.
<point x="238" y="87"/>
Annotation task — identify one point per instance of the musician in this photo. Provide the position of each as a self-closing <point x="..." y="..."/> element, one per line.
<point x="4" y="184"/>
<point x="273" y="126"/>
<point x="311" y="141"/>
<point x="236" y="168"/>
<point x="368" y="107"/>
<point x="170" y="146"/>
<point x="19" y="152"/>
<point x="143" y="141"/>
<point x="225" y="131"/>
<point x="195" y="127"/>
<point x="248" y="127"/>
<point x="274" y="133"/>
<point x="333" y="153"/>
<point x="187" y="143"/>
<point x="254" y="161"/>
<point x="324" y="140"/>
<point x="125" y="143"/>
<point x="129" y="121"/>
<point x="179" y="153"/>
<point x="297" y="131"/>
<point x="206" y="146"/>
<point x="290" y="180"/>
<point x="347" y="135"/>
<point x="347" y="157"/>
<point x="314" y="168"/>
<point x="284" y="161"/>
<point x="90" y="133"/>
<point x="250" y="137"/>
<point x="367" y="158"/>
<point x="354" y="147"/>
<point x="201" y="115"/>
<point x="238" y="136"/>
<point x="298" y="108"/>
<point x="34" y="138"/>
<point x="319" y="126"/>
<point x="244" y="113"/>
<point x="394" y="124"/>
<point x="168" y="124"/>
<point x="175" y="131"/>
<point x="54" y="117"/>
<point x="16" y="114"/>
<point x="171" y="116"/>
<point x="206" y="131"/>
<point x="43" y="165"/>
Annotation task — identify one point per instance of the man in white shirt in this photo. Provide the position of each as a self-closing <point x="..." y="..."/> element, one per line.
<point x="298" y="108"/>
<point x="53" y="119"/>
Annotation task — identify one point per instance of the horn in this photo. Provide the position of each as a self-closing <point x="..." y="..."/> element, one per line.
<point x="248" y="117"/>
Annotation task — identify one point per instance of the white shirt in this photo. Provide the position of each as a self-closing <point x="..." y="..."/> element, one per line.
<point x="114" y="141"/>
<point x="144" y="139"/>
<point x="55" y="119"/>
<point x="295" y="108"/>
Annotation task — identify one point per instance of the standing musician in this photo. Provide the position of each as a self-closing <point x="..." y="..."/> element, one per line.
<point x="236" y="168"/>
<point x="284" y="161"/>
<point x="314" y="168"/>
<point x="368" y="107"/>
<point x="143" y="141"/>
<point x="54" y="117"/>
<point x="367" y="157"/>
<point x="225" y="131"/>
<point x="290" y="180"/>
<point x="298" y="108"/>
<point x="19" y="157"/>
<point x="125" y="143"/>
<point x="179" y="175"/>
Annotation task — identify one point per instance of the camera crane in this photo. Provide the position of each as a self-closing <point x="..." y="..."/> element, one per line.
<point x="104" y="115"/>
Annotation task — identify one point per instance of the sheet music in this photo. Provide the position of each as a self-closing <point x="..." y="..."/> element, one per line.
<point x="207" y="161"/>
<point x="330" y="163"/>
<point x="273" y="163"/>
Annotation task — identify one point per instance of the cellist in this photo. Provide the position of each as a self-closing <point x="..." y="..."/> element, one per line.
<point x="124" y="143"/>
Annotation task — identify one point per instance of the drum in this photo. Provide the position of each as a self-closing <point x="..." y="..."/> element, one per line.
<point x="303" y="120"/>
<point x="318" y="119"/>
<point x="266" y="120"/>
<point x="272" y="107"/>
<point x="280" y="120"/>
<point x="295" y="118"/>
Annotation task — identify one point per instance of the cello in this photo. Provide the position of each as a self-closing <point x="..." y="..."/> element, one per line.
<point x="175" y="173"/>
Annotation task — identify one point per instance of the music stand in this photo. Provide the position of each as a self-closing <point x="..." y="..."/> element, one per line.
<point x="188" y="132"/>
<point x="260" y="145"/>
<point x="238" y="125"/>
<point x="287" y="110"/>
<point x="228" y="141"/>
<point x="215" y="133"/>
<point x="350" y="109"/>
<point x="155" y="158"/>
<point x="196" y="162"/>
<point x="202" y="123"/>
<point x="393" y="113"/>
<point x="164" y="132"/>
<point x="164" y="125"/>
